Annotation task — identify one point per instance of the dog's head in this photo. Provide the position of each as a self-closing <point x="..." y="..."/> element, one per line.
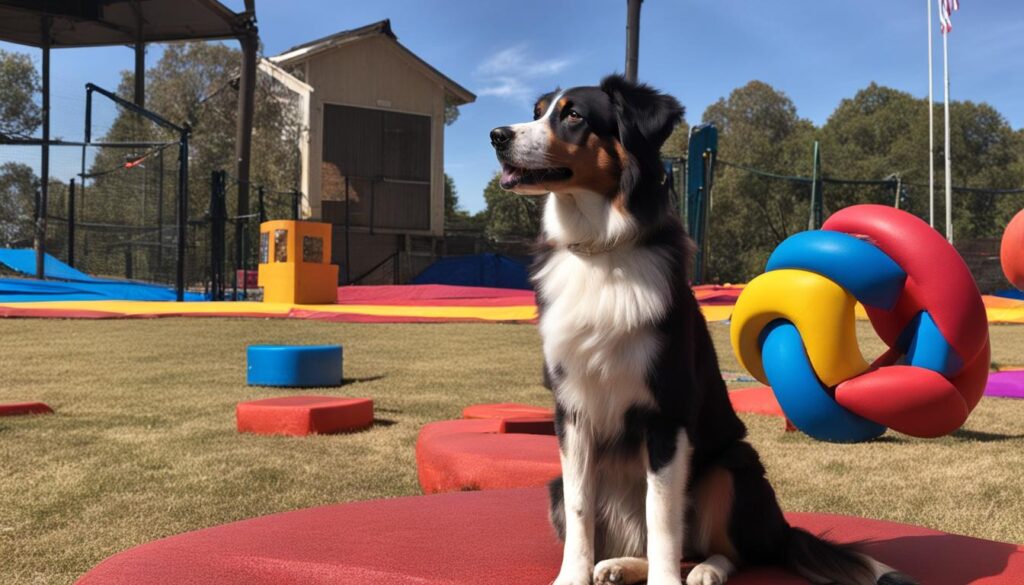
<point x="602" y="139"/>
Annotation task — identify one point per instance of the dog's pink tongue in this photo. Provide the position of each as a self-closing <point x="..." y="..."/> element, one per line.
<point x="509" y="176"/>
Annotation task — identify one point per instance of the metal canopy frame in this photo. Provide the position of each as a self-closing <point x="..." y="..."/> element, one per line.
<point x="48" y="24"/>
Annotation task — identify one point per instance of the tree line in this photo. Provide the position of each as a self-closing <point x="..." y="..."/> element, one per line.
<point x="880" y="134"/>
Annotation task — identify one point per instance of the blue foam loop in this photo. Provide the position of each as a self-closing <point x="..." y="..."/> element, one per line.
<point x="294" y="366"/>
<point x="806" y="402"/>
<point x="925" y="347"/>
<point x="866" y="272"/>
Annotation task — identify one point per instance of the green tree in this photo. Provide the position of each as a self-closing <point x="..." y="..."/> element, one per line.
<point x="751" y="214"/>
<point x="18" y="185"/>
<point x="19" y="84"/>
<point x="452" y="211"/>
<point x="508" y="216"/>
<point x="882" y="132"/>
<point x="676" y="144"/>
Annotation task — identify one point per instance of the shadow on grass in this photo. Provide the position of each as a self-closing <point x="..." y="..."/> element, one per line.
<point x="384" y="422"/>
<point x="983" y="437"/>
<point x="347" y="381"/>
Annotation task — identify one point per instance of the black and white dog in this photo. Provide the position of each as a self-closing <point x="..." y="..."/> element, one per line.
<point x="654" y="465"/>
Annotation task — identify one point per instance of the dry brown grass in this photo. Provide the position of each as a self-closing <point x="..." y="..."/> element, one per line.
<point x="143" y="443"/>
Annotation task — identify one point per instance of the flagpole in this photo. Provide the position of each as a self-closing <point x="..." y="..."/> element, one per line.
<point x="931" y="125"/>
<point x="949" y="173"/>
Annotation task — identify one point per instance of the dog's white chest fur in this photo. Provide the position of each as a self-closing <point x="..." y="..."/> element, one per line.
<point x="599" y="328"/>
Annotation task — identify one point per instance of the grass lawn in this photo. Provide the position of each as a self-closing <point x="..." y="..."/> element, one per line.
<point x="143" y="443"/>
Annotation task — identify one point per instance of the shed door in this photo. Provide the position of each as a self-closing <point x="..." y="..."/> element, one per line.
<point x="376" y="163"/>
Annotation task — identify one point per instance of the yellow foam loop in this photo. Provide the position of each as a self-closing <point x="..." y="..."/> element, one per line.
<point x="821" y="310"/>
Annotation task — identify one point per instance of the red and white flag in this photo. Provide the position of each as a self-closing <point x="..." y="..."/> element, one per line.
<point x="946" y="8"/>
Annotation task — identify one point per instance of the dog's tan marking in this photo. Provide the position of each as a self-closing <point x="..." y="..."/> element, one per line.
<point x="714" y="495"/>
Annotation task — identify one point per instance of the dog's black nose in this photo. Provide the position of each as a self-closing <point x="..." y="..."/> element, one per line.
<point x="501" y="137"/>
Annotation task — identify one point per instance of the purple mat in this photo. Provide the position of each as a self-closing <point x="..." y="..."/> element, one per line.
<point x="1009" y="384"/>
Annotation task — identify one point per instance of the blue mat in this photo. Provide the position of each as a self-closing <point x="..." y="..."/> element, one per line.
<point x="72" y="284"/>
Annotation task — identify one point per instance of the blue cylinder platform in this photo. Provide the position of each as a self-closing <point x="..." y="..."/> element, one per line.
<point x="294" y="366"/>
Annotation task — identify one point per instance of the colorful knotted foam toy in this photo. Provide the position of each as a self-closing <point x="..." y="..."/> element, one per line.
<point x="793" y="328"/>
<point x="1011" y="251"/>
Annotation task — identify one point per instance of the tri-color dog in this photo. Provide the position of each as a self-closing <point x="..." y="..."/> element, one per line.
<point x="654" y="462"/>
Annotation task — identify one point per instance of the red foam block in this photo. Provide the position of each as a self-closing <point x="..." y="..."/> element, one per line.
<point x="19" y="408"/>
<point x="474" y="454"/>
<point x="484" y="538"/>
<point x="304" y="415"/>
<point x="507" y="410"/>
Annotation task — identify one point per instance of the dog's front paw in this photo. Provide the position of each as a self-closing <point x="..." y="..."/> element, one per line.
<point x="609" y="572"/>
<point x="706" y="574"/>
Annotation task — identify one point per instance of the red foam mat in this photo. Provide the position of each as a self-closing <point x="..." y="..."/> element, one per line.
<point x="20" y="408"/>
<point x="758" y="400"/>
<point x="474" y="454"/>
<point x="482" y="538"/>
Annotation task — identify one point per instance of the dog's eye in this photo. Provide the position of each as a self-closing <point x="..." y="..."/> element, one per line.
<point x="574" y="116"/>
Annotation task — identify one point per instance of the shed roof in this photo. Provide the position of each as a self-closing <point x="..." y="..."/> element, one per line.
<point x="305" y="51"/>
<point x="91" y="23"/>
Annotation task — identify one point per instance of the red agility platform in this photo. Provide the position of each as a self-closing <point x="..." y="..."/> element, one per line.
<point x="19" y="408"/>
<point x="507" y="410"/>
<point x="486" y="454"/>
<point x="484" y="538"/>
<point x="304" y="415"/>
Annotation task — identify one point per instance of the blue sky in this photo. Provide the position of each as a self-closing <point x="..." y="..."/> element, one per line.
<point x="816" y="51"/>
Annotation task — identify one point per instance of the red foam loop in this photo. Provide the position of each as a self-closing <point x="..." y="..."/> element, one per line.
<point x="913" y="401"/>
<point x="938" y="280"/>
<point x="973" y="378"/>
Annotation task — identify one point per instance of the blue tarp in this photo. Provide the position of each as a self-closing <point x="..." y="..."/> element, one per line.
<point x="72" y="284"/>
<point x="493" y="270"/>
<point x="1010" y="293"/>
<point x="24" y="261"/>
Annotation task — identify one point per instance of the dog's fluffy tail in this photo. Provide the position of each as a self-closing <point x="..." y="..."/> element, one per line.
<point x="823" y="562"/>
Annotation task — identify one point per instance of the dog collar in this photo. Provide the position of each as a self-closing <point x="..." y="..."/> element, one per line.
<point x="583" y="249"/>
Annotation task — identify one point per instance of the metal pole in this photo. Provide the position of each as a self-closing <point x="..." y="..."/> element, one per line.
<point x="812" y="220"/>
<point x="182" y="214"/>
<point x="44" y="172"/>
<point x="632" y="38"/>
<point x="296" y="203"/>
<point x="71" y="223"/>
<point x="262" y="203"/>
<point x="949" y="167"/>
<point x="140" y="74"/>
<point x="348" y="243"/>
<point x="160" y="212"/>
<point x="931" y="125"/>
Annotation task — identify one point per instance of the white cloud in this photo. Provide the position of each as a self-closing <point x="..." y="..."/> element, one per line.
<point x="514" y="73"/>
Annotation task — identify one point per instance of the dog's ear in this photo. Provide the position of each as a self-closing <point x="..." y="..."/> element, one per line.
<point x="645" y="116"/>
